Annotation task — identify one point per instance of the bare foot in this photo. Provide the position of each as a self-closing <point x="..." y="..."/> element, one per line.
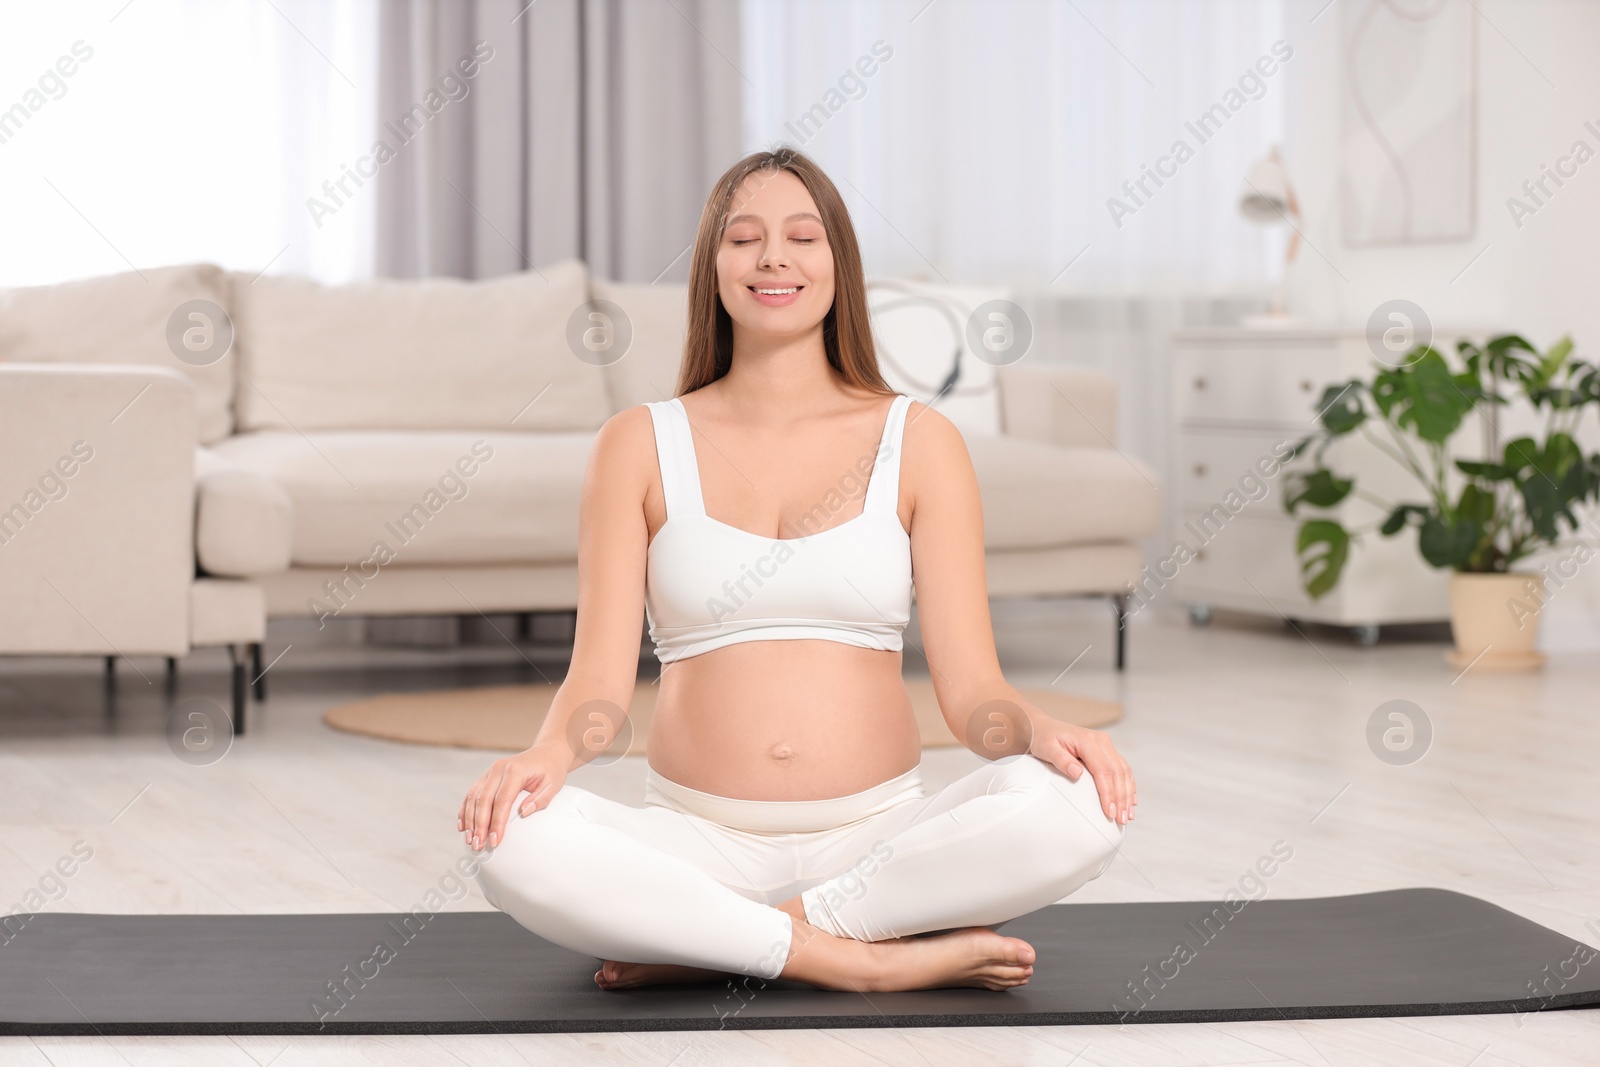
<point x="614" y="975"/>
<point x="974" y="956"/>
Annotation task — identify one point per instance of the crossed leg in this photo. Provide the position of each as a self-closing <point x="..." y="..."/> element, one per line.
<point x="660" y="886"/>
<point x="1010" y="837"/>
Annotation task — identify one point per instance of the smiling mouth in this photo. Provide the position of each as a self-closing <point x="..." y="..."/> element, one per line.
<point x="775" y="292"/>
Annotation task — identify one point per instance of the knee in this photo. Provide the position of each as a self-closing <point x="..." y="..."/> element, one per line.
<point x="471" y="863"/>
<point x="528" y="858"/>
<point x="1071" y="832"/>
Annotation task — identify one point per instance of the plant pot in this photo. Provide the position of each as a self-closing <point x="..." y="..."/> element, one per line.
<point x="1495" y="620"/>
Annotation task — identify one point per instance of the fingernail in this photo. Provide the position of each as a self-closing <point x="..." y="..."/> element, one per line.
<point x="493" y="838"/>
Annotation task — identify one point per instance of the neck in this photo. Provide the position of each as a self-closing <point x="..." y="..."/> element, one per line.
<point x="780" y="374"/>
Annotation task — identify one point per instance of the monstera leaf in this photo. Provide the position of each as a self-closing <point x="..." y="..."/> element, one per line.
<point x="1425" y="398"/>
<point x="1319" y="488"/>
<point x="1321" y="569"/>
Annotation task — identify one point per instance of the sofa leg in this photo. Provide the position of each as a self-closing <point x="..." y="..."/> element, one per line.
<point x="256" y="671"/>
<point x="1119" y="604"/>
<point x="111" y="687"/>
<point x="236" y="654"/>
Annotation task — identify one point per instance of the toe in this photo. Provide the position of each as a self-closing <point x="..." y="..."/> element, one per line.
<point x="1019" y="952"/>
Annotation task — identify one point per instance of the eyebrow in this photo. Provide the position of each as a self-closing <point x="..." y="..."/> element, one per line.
<point x="753" y="218"/>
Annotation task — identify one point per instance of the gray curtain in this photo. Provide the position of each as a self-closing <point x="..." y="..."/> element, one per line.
<point x="593" y="130"/>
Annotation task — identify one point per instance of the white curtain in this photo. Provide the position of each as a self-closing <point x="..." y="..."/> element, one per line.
<point x="985" y="147"/>
<point x="186" y="131"/>
<point x="590" y="129"/>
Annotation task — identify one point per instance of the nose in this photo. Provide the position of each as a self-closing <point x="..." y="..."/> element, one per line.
<point x="773" y="257"/>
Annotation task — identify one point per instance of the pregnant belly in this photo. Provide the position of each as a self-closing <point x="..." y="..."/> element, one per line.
<point x="784" y="720"/>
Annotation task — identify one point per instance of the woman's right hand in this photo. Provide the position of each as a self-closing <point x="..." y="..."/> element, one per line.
<point x="541" y="770"/>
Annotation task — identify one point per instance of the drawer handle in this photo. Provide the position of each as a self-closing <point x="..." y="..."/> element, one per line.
<point x="1199" y="383"/>
<point x="1306" y="385"/>
<point x="1200" y="554"/>
<point x="1199" y="470"/>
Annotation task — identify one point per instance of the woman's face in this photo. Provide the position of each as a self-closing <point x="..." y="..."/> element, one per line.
<point x="774" y="264"/>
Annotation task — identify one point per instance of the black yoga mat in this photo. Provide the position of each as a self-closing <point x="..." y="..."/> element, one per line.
<point x="1400" y="952"/>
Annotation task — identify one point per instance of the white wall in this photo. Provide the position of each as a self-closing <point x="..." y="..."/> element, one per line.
<point x="1538" y="83"/>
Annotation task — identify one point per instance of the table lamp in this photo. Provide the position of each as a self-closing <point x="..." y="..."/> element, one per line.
<point x="1268" y="199"/>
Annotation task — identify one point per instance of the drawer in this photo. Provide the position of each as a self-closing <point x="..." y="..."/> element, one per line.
<point x="1206" y="466"/>
<point x="1266" y="386"/>
<point x="1248" y="556"/>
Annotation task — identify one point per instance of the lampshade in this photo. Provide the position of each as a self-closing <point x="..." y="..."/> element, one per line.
<point x="1266" y="196"/>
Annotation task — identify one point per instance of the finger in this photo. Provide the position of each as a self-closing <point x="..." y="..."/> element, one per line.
<point x="532" y="802"/>
<point x="1090" y="762"/>
<point x="481" y="805"/>
<point x="1125" y="795"/>
<point x="472" y="811"/>
<point x="466" y="805"/>
<point x="1107" y="777"/>
<point x="503" y="800"/>
<point x="1110" y="794"/>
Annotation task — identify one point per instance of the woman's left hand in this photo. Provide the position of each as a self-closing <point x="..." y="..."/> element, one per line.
<point x="1071" y="748"/>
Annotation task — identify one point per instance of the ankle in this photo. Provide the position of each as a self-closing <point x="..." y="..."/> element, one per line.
<point x="795" y="908"/>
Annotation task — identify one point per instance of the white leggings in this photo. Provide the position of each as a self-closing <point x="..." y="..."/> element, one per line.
<point x="690" y="877"/>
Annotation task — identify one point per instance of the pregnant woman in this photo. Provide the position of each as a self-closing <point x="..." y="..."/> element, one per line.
<point x="769" y="519"/>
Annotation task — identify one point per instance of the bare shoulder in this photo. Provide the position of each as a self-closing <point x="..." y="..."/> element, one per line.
<point x="931" y="439"/>
<point x="625" y="447"/>
<point x="936" y="470"/>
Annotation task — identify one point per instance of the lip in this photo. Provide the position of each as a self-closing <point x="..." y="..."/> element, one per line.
<point x="776" y="300"/>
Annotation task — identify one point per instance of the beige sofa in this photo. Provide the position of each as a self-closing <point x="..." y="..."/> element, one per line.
<point x="417" y="447"/>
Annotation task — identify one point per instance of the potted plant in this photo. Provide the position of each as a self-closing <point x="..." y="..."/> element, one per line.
<point x="1479" y="516"/>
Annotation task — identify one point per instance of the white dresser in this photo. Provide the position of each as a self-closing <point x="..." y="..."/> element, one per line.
<point x="1241" y="399"/>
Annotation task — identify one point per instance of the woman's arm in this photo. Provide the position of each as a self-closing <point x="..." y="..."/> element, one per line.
<point x="612" y="539"/>
<point x="958" y="637"/>
<point x="598" y="689"/>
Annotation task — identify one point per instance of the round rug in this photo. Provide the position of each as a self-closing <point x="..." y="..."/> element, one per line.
<point x="508" y="717"/>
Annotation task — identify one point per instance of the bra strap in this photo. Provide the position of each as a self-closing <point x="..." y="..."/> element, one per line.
<point x="680" y="478"/>
<point x="883" y="491"/>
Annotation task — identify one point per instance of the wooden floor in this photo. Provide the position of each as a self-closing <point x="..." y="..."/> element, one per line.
<point x="1240" y="734"/>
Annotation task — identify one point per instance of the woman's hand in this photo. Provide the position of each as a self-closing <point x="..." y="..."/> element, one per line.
<point x="1071" y="748"/>
<point x="541" y="770"/>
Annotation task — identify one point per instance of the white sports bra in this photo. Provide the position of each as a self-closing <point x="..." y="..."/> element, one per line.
<point x="708" y="584"/>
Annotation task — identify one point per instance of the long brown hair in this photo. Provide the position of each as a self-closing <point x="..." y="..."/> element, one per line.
<point x="846" y="330"/>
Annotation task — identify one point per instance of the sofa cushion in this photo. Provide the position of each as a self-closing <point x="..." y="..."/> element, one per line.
<point x="374" y="498"/>
<point x="434" y="354"/>
<point x="124" y="318"/>
<point x="242" y="519"/>
<point x="657" y="319"/>
<point x="1037" y="495"/>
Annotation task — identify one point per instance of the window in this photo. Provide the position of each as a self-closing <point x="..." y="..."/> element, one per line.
<point x="163" y="131"/>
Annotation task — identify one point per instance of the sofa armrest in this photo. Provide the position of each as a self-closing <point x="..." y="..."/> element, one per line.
<point x="1059" y="404"/>
<point x="96" y="508"/>
<point x="243" y="522"/>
